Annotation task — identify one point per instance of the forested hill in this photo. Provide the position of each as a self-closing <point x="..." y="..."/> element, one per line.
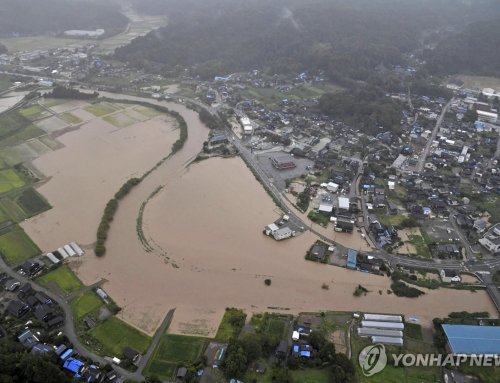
<point x="475" y="51"/>
<point x="29" y="17"/>
<point x="347" y="39"/>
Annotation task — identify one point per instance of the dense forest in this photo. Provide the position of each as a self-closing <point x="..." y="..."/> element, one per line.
<point x="29" y="17"/>
<point x="3" y="49"/>
<point x="474" y="51"/>
<point x="345" y="39"/>
<point x="19" y="366"/>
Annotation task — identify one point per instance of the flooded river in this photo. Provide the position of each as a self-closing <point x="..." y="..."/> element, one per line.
<point x="209" y="253"/>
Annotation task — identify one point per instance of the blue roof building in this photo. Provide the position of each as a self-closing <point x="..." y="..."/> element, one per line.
<point x="74" y="365"/>
<point x="66" y="354"/>
<point x="352" y="259"/>
<point x="466" y="339"/>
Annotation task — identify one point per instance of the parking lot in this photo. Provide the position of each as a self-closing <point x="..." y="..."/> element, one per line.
<point x="278" y="177"/>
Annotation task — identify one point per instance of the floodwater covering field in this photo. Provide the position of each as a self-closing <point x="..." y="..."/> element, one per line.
<point x="206" y="250"/>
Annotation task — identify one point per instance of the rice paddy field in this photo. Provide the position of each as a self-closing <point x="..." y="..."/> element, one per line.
<point x="171" y="351"/>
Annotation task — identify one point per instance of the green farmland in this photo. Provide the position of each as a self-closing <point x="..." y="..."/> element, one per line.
<point x="113" y="335"/>
<point x="62" y="279"/>
<point x="85" y="304"/>
<point x="17" y="247"/>
<point x="172" y="351"/>
<point x="9" y="180"/>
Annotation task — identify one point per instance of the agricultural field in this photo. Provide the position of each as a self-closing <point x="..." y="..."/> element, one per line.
<point x="12" y="209"/>
<point x="114" y="335"/>
<point x="85" y="304"/>
<point x="34" y="112"/>
<point x="120" y="120"/>
<point x="71" y="118"/>
<point x="9" y="180"/>
<point x="15" y="129"/>
<point x="17" y="247"/>
<point x="394" y="220"/>
<point x="231" y="324"/>
<point x="5" y="82"/>
<point x="100" y="109"/>
<point x="3" y="216"/>
<point x="61" y="279"/>
<point x="171" y="351"/>
<point x="32" y="202"/>
<point x="147" y="112"/>
<point x="480" y="82"/>
<point x="30" y="43"/>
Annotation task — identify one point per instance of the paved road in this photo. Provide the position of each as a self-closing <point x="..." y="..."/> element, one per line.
<point x="69" y="325"/>
<point x="425" y="152"/>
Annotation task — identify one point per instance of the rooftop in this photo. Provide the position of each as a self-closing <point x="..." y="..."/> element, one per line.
<point x="466" y="339"/>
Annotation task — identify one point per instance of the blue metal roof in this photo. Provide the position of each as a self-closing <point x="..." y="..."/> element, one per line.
<point x="466" y="339"/>
<point x="73" y="365"/>
<point x="352" y="258"/>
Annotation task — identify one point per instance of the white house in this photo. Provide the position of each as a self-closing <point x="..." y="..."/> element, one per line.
<point x="448" y="276"/>
<point x="491" y="239"/>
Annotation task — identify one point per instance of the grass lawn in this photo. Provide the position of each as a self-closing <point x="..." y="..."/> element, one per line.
<point x="9" y="180"/>
<point x="173" y="350"/>
<point x="114" y="335"/>
<point x="231" y="324"/>
<point x="490" y="203"/>
<point x="311" y="376"/>
<point x="100" y="109"/>
<point x="32" y="202"/>
<point x="17" y="247"/>
<point x="486" y="374"/>
<point x="420" y="242"/>
<point x="394" y="220"/>
<point x="319" y="218"/>
<point x="413" y="330"/>
<point x="85" y="304"/>
<point x="62" y="278"/>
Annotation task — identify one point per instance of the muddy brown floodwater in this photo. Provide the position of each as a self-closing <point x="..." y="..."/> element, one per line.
<point x="209" y="253"/>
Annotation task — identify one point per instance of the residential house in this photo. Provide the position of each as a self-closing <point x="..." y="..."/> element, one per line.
<point x="17" y="308"/>
<point x="448" y="276"/>
<point x="318" y="253"/>
<point x="491" y="240"/>
<point x="27" y="339"/>
<point x="131" y="354"/>
<point x="352" y="259"/>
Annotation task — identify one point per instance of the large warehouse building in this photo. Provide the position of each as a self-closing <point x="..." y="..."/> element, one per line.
<point x="472" y="340"/>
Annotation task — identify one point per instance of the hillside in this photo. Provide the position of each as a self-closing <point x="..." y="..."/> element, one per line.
<point x="474" y="51"/>
<point x="29" y="17"/>
<point x="345" y="39"/>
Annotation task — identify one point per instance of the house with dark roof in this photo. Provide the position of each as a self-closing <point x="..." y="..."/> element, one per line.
<point x="318" y="252"/>
<point x="43" y="298"/>
<point x="30" y="268"/>
<point x="17" y="308"/>
<point x="11" y="284"/>
<point x="131" y="354"/>
<point x="27" y="338"/>
<point x="43" y="313"/>
<point x="55" y="321"/>
<point x="42" y="349"/>
<point x="282" y="349"/>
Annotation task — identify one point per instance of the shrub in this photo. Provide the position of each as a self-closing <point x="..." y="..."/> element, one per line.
<point x="401" y="289"/>
<point x="267" y="282"/>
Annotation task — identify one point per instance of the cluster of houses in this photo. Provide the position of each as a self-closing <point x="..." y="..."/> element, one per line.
<point x="382" y="328"/>
<point x="68" y="359"/>
<point x="38" y="303"/>
<point x="278" y="230"/>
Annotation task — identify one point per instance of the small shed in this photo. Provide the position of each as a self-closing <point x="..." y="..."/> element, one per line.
<point x="131" y="354"/>
<point x="181" y="373"/>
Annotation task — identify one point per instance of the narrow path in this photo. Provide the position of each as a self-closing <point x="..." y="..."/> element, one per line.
<point x="84" y="289"/>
